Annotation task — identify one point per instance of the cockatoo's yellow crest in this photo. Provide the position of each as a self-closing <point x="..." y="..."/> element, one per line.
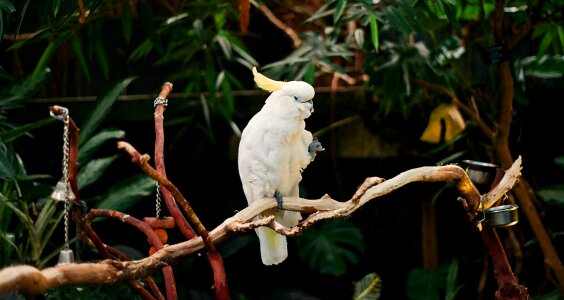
<point x="266" y="83"/>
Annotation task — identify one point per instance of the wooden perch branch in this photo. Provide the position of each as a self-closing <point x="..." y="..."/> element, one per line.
<point x="30" y="280"/>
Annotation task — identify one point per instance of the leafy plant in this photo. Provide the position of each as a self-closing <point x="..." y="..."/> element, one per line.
<point x="332" y="247"/>
<point x="437" y="283"/>
<point x="368" y="287"/>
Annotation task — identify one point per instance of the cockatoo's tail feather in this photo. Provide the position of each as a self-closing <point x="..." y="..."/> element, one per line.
<point x="266" y="83"/>
<point x="273" y="248"/>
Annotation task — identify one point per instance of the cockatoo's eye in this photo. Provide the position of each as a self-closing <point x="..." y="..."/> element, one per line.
<point x="296" y="98"/>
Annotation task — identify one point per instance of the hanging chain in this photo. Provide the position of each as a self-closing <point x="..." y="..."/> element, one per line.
<point x="66" y="150"/>
<point x="158" y="202"/>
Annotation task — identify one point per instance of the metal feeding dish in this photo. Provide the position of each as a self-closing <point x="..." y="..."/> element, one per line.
<point x="502" y="216"/>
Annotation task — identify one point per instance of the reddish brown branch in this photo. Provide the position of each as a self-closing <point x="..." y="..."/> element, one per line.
<point x="290" y="32"/>
<point x="509" y="288"/>
<point x="148" y="231"/>
<point x="215" y="259"/>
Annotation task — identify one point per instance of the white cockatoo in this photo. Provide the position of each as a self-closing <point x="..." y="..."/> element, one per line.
<point x="274" y="149"/>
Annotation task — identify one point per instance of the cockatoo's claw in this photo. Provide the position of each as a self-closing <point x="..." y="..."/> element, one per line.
<point x="278" y="197"/>
<point x="314" y="147"/>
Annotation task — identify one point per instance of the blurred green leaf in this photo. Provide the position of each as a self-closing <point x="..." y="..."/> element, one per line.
<point x="552" y="195"/>
<point x="12" y="134"/>
<point x="339" y="9"/>
<point x="93" y="170"/>
<point x="126" y="22"/>
<point x="430" y="284"/>
<point x="126" y="193"/>
<point x="332" y="247"/>
<point x="149" y="23"/>
<point x="76" y="47"/>
<point x="368" y="287"/>
<point x="559" y="161"/>
<point x="374" y="31"/>
<point x="47" y="55"/>
<point x="9" y="8"/>
<point x="103" y="105"/>
<point x="89" y="147"/>
<point x="10" y="166"/>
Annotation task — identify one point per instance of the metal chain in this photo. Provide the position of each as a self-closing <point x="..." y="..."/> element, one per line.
<point x="158" y="202"/>
<point x="66" y="150"/>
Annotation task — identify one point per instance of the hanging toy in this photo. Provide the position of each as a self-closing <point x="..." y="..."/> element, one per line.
<point x="63" y="191"/>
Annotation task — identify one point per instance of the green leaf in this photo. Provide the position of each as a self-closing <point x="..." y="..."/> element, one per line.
<point x="89" y="147"/>
<point x="374" y="30"/>
<point x="545" y="43"/>
<point x="12" y="134"/>
<point x="309" y="75"/>
<point x="10" y="166"/>
<point x="93" y="170"/>
<point x="76" y="47"/>
<point x="126" y="22"/>
<point x="553" y="195"/>
<point x="149" y="24"/>
<point x="98" y="45"/>
<point x="126" y="193"/>
<point x="9" y="8"/>
<point x="559" y="161"/>
<point x="339" y="9"/>
<point x="331" y="248"/>
<point x="47" y="55"/>
<point x="56" y="7"/>
<point x="426" y="284"/>
<point x="104" y="104"/>
<point x="368" y="288"/>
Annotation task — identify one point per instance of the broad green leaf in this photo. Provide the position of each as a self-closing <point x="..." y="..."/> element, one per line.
<point x="368" y="287"/>
<point x="89" y="147"/>
<point x="331" y="248"/>
<point x="426" y="284"/>
<point x="76" y="47"/>
<point x="12" y="134"/>
<point x="126" y="193"/>
<point x="452" y="286"/>
<point x="374" y="31"/>
<point x="103" y="105"/>
<point x="94" y="170"/>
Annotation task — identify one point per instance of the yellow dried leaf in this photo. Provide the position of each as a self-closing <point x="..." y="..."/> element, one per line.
<point x="453" y="122"/>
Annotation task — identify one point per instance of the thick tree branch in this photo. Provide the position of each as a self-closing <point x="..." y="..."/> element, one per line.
<point x="29" y="280"/>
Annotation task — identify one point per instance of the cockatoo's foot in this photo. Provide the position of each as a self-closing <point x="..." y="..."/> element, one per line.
<point x="314" y="147"/>
<point x="278" y="197"/>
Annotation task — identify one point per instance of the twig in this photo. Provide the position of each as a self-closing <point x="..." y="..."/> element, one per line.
<point x="278" y="23"/>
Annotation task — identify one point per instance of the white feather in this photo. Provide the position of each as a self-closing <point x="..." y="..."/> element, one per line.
<point x="272" y="153"/>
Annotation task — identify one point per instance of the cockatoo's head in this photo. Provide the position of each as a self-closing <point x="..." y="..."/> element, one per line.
<point x="300" y="92"/>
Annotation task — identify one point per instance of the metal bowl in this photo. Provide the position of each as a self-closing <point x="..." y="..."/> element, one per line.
<point x="502" y="216"/>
